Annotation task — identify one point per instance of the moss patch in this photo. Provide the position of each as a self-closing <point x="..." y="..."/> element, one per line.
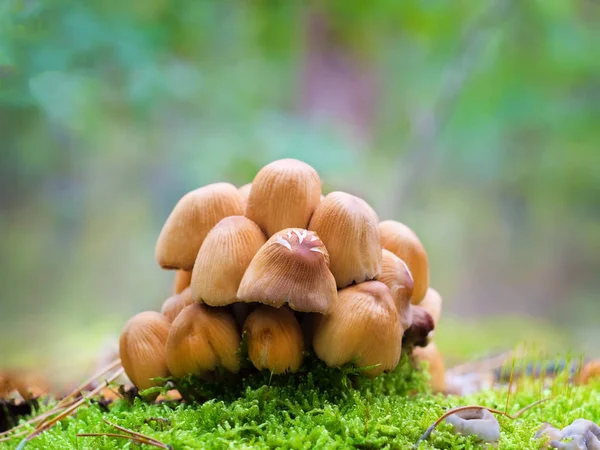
<point x="321" y="408"/>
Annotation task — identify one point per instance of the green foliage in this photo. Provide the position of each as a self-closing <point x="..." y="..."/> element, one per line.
<point x="325" y="408"/>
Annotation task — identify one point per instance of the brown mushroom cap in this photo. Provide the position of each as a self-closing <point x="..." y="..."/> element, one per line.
<point x="293" y="268"/>
<point x="362" y="327"/>
<point x="432" y="304"/>
<point x="397" y="277"/>
<point x="223" y="258"/>
<point x="421" y="329"/>
<point x="404" y="243"/>
<point x="245" y="191"/>
<point x="284" y="194"/>
<point x="142" y="348"/>
<point x="190" y="221"/>
<point x="201" y="339"/>
<point x="182" y="280"/>
<point x="437" y="369"/>
<point x="275" y="339"/>
<point x="348" y="227"/>
<point x="172" y="306"/>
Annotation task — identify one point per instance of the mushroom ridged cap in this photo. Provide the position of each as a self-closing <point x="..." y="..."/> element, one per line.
<point x="172" y="306"/>
<point x="201" y="339"/>
<point x="437" y="369"/>
<point x="432" y="304"/>
<point x="196" y="213"/>
<point x="293" y="268"/>
<point x="223" y="258"/>
<point x="284" y="194"/>
<point x="245" y="191"/>
<point x="348" y="227"/>
<point x="405" y="244"/>
<point x="142" y="348"/>
<point x="397" y="277"/>
<point x="275" y="339"/>
<point x="182" y="280"/>
<point x="363" y="327"/>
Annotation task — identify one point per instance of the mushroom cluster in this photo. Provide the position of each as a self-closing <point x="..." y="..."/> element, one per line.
<point x="290" y="268"/>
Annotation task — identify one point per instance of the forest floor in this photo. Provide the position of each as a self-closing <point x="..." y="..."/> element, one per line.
<point x="321" y="408"/>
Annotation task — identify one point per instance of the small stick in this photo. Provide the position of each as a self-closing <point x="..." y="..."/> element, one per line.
<point x="32" y="421"/>
<point x="466" y="408"/>
<point x="133" y="433"/>
<point x="45" y="425"/>
<point x="64" y="402"/>
<point x="135" y="439"/>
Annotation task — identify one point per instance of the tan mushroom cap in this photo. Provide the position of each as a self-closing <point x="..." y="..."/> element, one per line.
<point x="397" y="277"/>
<point x="142" y="348"/>
<point x="348" y="227"/>
<point x="363" y="327"/>
<point x="275" y="339"/>
<point x="182" y="280"/>
<point x="433" y="304"/>
<point x="172" y="306"/>
<point x="201" y="339"/>
<point x="196" y="213"/>
<point x="223" y="258"/>
<point x="405" y="244"/>
<point x="421" y="328"/>
<point x="284" y="194"/>
<point x="245" y="191"/>
<point x="293" y="268"/>
<point x="437" y="369"/>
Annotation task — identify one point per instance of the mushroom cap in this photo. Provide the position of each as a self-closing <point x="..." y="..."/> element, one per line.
<point x="275" y="339"/>
<point x="245" y="190"/>
<point x="142" y="348"/>
<point x="223" y="258"/>
<point x="397" y="277"/>
<point x="590" y="372"/>
<point x="405" y="244"/>
<point x="432" y="304"/>
<point x="421" y="329"/>
<point x="293" y="268"/>
<point x="196" y="213"/>
<point x="348" y="227"/>
<point x="201" y="339"/>
<point x="284" y="194"/>
<point x="437" y="369"/>
<point x="182" y="280"/>
<point x="172" y="306"/>
<point x="363" y="327"/>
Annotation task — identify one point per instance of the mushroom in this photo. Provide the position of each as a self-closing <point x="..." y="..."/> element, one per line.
<point x="437" y="370"/>
<point x="223" y="258"/>
<point x="397" y="277"/>
<point x="201" y="339"/>
<point x="182" y="280"/>
<point x="476" y="422"/>
<point x="363" y="327"/>
<point x="348" y="227"/>
<point x="191" y="220"/>
<point x="284" y="194"/>
<point x="432" y="304"/>
<point x="293" y="268"/>
<point x="275" y="339"/>
<point x="590" y="372"/>
<point x="420" y="330"/>
<point x="174" y="304"/>
<point x="142" y="348"/>
<point x="404" y="243"/>
<point x="245" y="190"/>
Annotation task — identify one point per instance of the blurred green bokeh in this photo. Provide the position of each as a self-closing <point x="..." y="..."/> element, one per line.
<point x="476" y="123"/>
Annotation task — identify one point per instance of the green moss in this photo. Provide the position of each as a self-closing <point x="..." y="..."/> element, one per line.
<point x="321" y="408"/>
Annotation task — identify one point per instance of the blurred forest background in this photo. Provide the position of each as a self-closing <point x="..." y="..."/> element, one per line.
<point x="476" y="123"/>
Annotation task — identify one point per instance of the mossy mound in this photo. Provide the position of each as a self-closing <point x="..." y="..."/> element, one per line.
<point x="320" y="408"/>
